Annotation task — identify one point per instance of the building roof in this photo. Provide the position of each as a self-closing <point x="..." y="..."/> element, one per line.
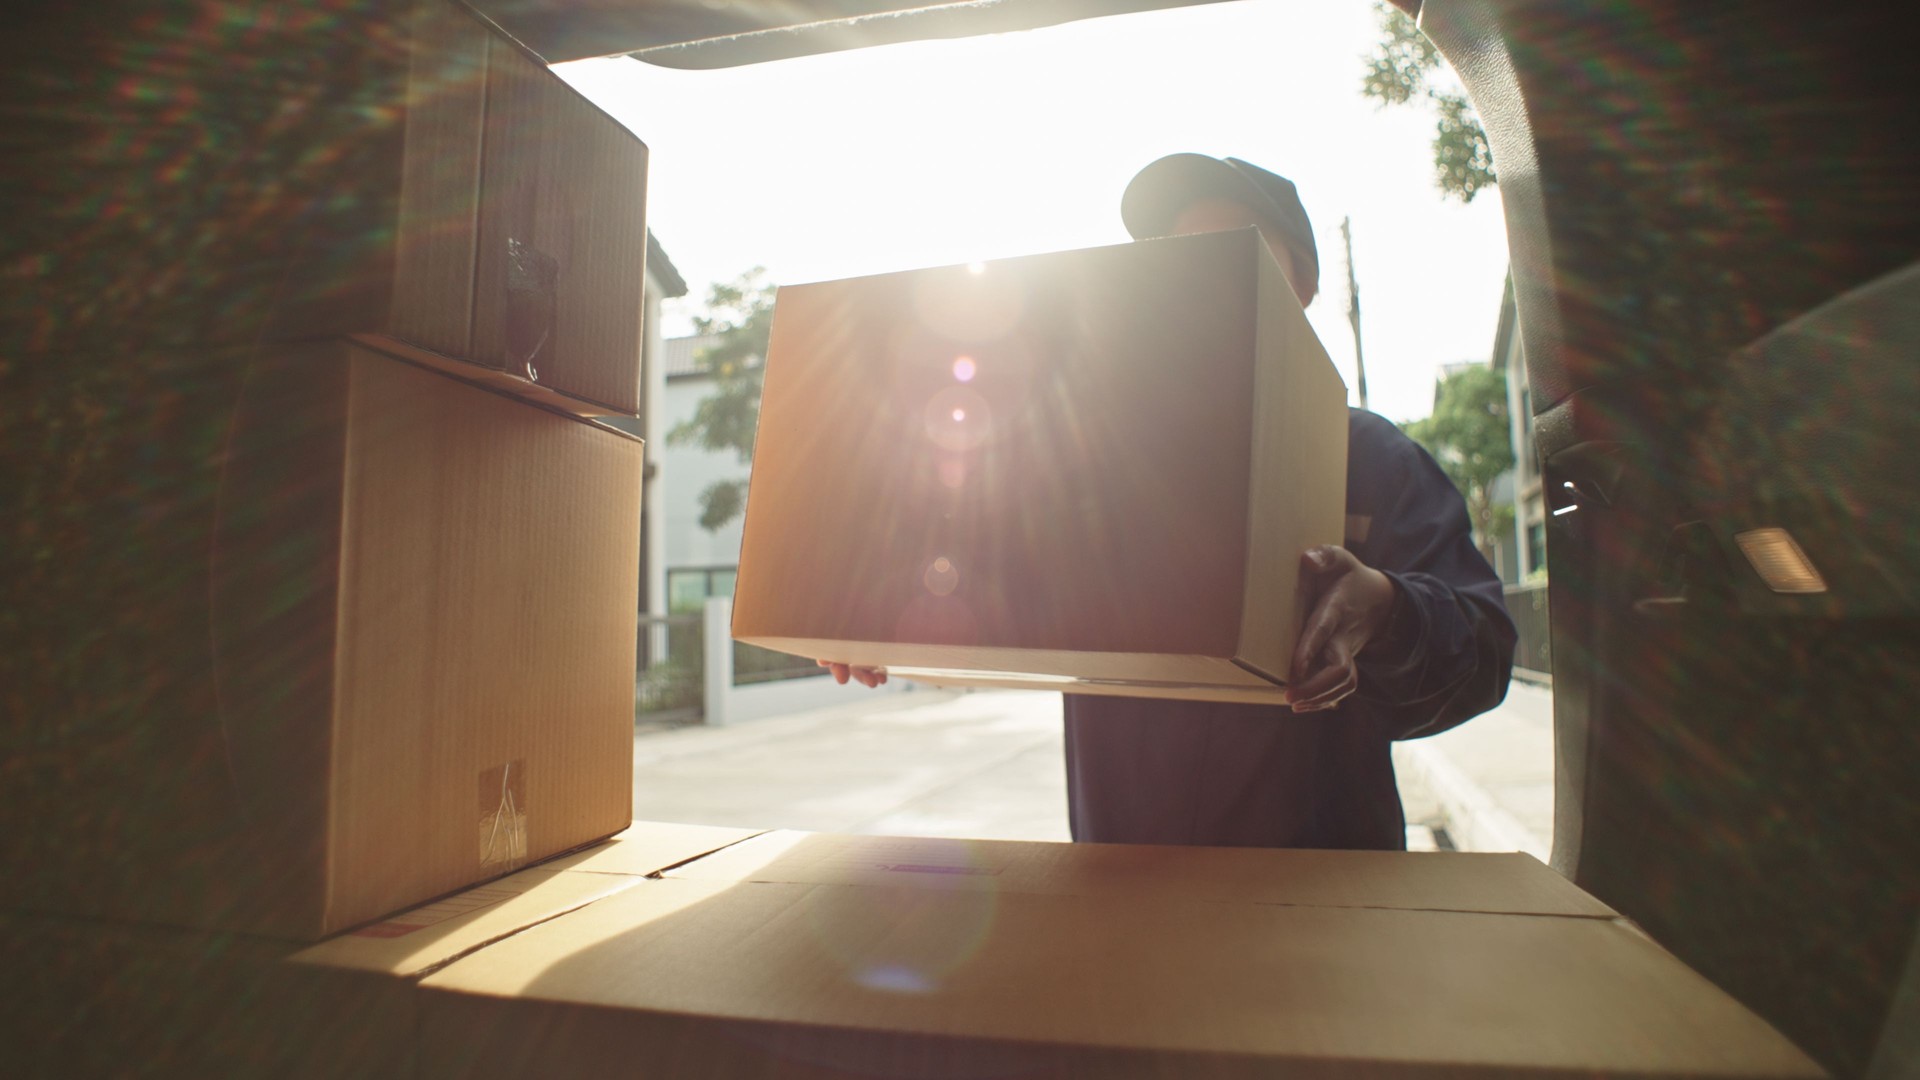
<point x="662" y="268"/>
<point x="680" y="355"/>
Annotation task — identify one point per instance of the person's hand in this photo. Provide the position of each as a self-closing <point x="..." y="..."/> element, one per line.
<point x="1352" y="605"/>
<point x="869" y="677"/>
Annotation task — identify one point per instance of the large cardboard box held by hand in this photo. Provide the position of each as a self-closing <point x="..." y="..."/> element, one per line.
<point x="1093" y="470"/>
<point x="399" y="169"/>
<point x="834" y="956"/>
<point x="323" y="634"/>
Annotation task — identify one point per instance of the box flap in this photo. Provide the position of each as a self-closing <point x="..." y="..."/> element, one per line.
<point x="421" y="939"/>
<point x="1438" y="881"/>
<point x="648" y="847"/>
<point x="645" y="974"/>
<point x="1256" y="692"/>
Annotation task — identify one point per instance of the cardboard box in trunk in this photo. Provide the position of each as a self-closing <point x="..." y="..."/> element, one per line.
<point x="1443" y="881"/>
<point x="398" y="169"/>
<point x="94" y="998"/>
<point x="315" y="643"/>
<point x="1093" y="470"/>
<point x="831" y="956"/>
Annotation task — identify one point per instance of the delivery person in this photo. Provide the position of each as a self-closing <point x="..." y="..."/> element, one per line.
<point x="1407" y="634"/>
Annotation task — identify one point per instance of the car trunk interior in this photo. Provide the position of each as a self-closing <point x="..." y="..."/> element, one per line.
<point x="1713" y="213"/>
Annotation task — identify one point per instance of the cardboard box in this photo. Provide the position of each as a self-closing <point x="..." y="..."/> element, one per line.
<point x="399" y="169"/>
<point x="1438" y="881"/>
<point x="336" y="638"/>
<point x="1051" y="960"/>
<point x="1093" y="470"/>
<point x="90" y="998"/>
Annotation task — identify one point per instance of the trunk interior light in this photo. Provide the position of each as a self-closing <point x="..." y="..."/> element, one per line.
<point x="1777" y="558"/>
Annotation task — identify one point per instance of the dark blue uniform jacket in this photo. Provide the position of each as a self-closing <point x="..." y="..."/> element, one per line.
<point x="1146" y="771"/>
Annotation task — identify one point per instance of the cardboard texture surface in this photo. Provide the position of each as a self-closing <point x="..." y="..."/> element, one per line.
<point x="377" y="646"/>
<point x="561" y="236"/>
<point x="484" y="663"/>
<point x="411" y="174"/>
<point x="1434" y="881"/>
<point x="647" y="847"/>
<point x="421" y="939"/>
<point x="764" y="979"/>
<point x="1098" y="467"/>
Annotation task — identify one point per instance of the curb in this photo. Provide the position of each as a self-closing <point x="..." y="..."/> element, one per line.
<point x="1533" y="678"/>
<point x="1475" y="821"/>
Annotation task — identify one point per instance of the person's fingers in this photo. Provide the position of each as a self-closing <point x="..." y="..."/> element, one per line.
<point x="1347" y="683"/>
<point x="1314" y="636"/>
<point x="1318" y="558"/>
<point x="1324" y="687"/>
<point x="870" y="677"/>
<point x="1313" y="566"/>
<point x="1328" y="677"/>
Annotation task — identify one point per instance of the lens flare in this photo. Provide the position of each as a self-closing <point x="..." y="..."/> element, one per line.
<point x="968" y="310"/>
<point x="958" y="419"/>
<point x="964" y="369"/>
<point x="896" y="979"/>
<point x="915" y="933"/>
<point x="942" y="577"/>
<point x="953" y="471"/>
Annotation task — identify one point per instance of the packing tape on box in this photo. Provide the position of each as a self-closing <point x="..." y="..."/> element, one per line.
<point x="503" y="816"/>
<point x="533" y="281"/>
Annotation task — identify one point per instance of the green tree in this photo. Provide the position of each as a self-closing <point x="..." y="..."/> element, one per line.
<point x="740" y="314"/>
<point x="1400" y="72"/>
<point x="1468" y="434"/>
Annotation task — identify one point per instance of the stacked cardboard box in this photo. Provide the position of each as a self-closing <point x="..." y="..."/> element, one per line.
<point x="695" y="951"/>
<point x="399" y="170"/>
<point x="330" y="581"/>
<point x="1093" y="470"/>
<point x="792" y="954"/>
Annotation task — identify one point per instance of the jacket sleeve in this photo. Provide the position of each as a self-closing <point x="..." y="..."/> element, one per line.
<point x="1451" y="656"/>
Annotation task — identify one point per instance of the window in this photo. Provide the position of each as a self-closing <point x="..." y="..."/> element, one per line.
<point x="689" y="588"/>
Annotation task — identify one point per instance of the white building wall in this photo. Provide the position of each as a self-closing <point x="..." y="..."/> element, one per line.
<point x="685" y="471"/>
<point x="652" y="498"/>
<point x="647" y="424"/>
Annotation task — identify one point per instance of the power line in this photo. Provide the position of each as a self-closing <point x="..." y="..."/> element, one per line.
<point x="1353" y="311"/>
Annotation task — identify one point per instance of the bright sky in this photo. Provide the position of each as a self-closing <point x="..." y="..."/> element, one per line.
<point x="934" y="153"/>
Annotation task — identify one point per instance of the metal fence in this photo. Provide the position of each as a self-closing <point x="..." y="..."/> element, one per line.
<point x="670" y="670"/>
<point x="1528" y="606"/>
<point x="670" y="683"/>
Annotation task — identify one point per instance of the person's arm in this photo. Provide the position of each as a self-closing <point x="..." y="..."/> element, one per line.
<point x="1423" y="636"/>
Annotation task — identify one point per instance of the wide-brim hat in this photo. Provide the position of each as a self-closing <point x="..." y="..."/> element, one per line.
<point x="1158" y="193"/>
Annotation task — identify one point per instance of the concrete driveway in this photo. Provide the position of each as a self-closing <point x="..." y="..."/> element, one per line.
<point x="988" y="765"/>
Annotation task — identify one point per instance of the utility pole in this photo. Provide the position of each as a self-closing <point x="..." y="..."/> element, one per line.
<point x="1353" y="310"/>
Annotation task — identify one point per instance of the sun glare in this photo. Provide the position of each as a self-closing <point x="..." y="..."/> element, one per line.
<point x="957" y="152"/>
